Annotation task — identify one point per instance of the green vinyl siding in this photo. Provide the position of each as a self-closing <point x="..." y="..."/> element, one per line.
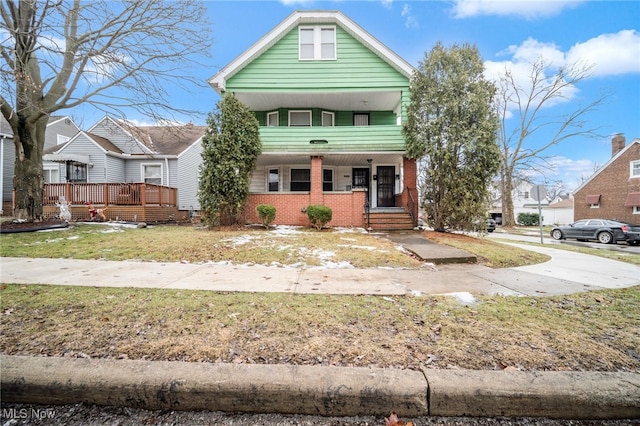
<point x="279" y="69"/>
<point x="339" y="139"/>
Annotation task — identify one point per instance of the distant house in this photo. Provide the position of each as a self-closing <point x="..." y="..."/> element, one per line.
<point x="128" y="167"/>
<point x="60" y="129"/>
<point x="523" y="202"/>
<point x="330" y="100"/>
<point x="613" y="192"/>
<point x="558" y="213"/>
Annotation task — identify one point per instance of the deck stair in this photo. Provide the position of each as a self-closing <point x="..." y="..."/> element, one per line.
<point x="390" y="219"/>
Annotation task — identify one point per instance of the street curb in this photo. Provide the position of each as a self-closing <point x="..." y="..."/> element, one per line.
<point x="319" y="390"/>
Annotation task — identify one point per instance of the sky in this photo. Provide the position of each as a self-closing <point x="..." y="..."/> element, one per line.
<point x="605" y="34"/>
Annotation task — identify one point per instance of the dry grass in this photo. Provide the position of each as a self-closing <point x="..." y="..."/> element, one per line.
<point x="587" y="331"/>
<point x="283" y="246"/>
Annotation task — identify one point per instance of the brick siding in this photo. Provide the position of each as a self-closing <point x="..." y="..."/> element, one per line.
<point x="612" y="184"/>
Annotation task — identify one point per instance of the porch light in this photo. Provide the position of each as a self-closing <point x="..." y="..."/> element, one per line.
<point x="318" y="141"/>
<point x="397" y="177"/>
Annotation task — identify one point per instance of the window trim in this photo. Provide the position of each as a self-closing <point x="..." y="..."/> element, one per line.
<point x="632" y="164"/>
<point x="333" y="118"/>
<point x="332" y="181"/>
<point x="269" y="180"/>
<point x="143" y="178"/>
<point x="272" y="113"/>
<point x="291" y="169"/>
<point x="317" y="42"/>
<point x="635" y="210"/>
<point x="308" y="111"/>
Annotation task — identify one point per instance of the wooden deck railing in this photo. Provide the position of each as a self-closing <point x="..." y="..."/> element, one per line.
<point x="120" y="194"/>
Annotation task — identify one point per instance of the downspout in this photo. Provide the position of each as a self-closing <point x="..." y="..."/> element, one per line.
<point x="166" y="162"/>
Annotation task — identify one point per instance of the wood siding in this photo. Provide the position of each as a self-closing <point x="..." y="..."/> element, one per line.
<point x="356" y="68"/>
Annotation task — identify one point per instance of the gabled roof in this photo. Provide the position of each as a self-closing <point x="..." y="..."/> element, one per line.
<point x="604" y="167"/>
<point x="168" y="140"/>
<point x="218" y="81"/>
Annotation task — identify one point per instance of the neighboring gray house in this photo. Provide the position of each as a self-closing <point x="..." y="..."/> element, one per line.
<point x="60" y="129"/>
<point x="113" y="151"/>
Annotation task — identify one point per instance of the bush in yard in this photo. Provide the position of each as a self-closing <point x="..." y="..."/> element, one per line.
<point x="319" y="216"/>
<point x="528" y="219"/>
<point x="266" y="213"/>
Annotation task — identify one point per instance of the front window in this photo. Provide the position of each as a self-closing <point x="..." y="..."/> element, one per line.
<point x="300" y="180"/>
<point x="51" y="175"/>
<point x="635" y="169"/>
<point x="327" y="180"/>
<point x="152" y="173"/>
<point x="76" y="172"/>
<point x="317" y="43"/>
<point x="274" y="180"/>
<point x="300" y="118"/>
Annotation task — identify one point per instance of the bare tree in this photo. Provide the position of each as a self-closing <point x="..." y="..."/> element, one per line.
<point x="526" y="102"/>
<point x="59" y="54"/>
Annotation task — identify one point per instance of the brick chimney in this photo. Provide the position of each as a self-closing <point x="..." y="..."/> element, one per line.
<point x="617" y="144"/>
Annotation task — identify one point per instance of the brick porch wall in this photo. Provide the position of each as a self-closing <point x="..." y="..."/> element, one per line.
<point x="347" y="207"/>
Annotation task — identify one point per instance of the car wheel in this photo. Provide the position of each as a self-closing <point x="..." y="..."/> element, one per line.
<point x="556" y="234"/>
<point x="605" y="237"/>
<point x="633" y="243"/>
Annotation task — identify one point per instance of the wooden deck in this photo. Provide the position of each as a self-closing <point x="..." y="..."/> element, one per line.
<point x="129" y="202"/>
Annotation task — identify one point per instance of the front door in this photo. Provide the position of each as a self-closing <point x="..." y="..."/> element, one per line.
<point x="386" y="178"/>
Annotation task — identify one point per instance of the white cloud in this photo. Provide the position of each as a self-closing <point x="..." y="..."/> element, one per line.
<point x="410" y="20"/>
<point x="387" y="3"/>
<point x="612" y="54"/>
<point x="522" y="8"/>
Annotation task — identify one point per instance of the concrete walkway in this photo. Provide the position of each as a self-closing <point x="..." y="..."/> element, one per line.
<point x="334" y="391"/>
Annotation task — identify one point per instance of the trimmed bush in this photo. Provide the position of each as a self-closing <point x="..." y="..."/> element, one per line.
<point x="528" y="219"/>
<point x="319" y="216"/>
<point x="266" y="213"/>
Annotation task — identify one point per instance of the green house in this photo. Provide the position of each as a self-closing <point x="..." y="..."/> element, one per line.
<point x="330" y="100"/>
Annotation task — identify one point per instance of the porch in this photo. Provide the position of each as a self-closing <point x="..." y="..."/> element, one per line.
<point x="130" y="202"/>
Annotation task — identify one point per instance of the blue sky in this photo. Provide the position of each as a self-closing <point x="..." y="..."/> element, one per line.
<point x="604" y="33"/>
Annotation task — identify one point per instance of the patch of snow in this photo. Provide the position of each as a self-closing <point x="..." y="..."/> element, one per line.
<point x="463" y="297"/>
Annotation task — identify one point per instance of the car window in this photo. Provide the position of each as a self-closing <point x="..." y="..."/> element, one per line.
<point x="580" y="223"/>
<point x="595" y="223"/>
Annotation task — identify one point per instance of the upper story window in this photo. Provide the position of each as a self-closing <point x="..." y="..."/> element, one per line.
<point x="300" y="118"/>
<point x="635" y="169"/>
<point x="317" y="43"/>
<point x="272" y="119"/>
<point x="360" y="119"/>
<point x="328" y="118"/>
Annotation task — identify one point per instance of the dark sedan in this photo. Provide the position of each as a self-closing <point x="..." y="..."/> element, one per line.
<point x="602" y="230"/>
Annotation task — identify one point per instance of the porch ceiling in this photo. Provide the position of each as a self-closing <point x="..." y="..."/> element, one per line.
<point x="341" y="101"/>
<point x="354" y="160"/>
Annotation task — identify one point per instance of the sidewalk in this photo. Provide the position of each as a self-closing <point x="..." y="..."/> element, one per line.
<point x="334" y="391"/>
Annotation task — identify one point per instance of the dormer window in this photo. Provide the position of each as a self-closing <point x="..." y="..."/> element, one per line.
<point x="317" y="43"/>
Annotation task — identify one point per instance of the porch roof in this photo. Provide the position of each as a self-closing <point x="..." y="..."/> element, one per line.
<point x="63" y="158"/>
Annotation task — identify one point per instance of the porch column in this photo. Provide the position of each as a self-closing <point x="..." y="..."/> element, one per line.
<point x="316" y="196"/>
<point x="410" y="191"/>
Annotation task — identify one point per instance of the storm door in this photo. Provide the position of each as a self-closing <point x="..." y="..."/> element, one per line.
<point x="386" y="186"/>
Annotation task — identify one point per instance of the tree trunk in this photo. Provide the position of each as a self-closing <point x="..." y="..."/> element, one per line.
<point x="507" y="198"/>
<point x="28" y="179"/>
